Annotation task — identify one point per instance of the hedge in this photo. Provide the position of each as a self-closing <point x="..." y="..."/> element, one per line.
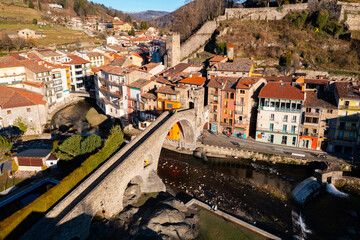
<point x="43" y="203"/>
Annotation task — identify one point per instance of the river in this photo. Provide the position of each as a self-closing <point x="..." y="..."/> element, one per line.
<point x="259" y="192"/>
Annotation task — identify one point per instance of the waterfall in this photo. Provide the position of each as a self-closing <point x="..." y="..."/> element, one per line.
<point x="299" y="222"/>
<point x="330" y="188"/>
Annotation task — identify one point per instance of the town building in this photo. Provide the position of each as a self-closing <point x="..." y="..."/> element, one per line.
<point x="348" y="105"/>
<point x="317" y="130"/>
<point x="79" y="72"/>
<point x="241" y="67"/>
<point x="22" y="105"/>
<point x="33" y="159"/>
<point x="12" y="71"/>
<point x="247" y="91"/>
<point x="279" y="114"/>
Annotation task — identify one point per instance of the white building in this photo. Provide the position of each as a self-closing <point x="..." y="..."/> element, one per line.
<point x="279" y="114"/>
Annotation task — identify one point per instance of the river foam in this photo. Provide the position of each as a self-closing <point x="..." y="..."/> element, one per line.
<point x="330" y="188"/>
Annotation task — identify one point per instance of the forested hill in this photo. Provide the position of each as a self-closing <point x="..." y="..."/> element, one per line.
<point x="71" y="8"/>
<point x="191" y="16"/>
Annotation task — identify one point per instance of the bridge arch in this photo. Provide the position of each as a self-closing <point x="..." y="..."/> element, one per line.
<point x="133" y="191"/>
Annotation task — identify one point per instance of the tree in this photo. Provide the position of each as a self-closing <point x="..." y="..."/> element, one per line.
<point x="31" y="4"/>
<point x="128" y="19"/>
<point x="39" y="6"/>
<point x="5" y="147"/>
<point x="19" y="43"/>
<point x="5" y="41"/>
<point x="70" y="148"/>
<point x="132" y="32"/>
<point x="135" y="25"/>
<point x="144" y="25"/>
<point x="35" y="21"/>
<point x="90" y="144"/>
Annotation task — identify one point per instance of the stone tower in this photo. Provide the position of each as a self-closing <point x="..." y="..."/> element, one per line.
<point x="172" y="57"/>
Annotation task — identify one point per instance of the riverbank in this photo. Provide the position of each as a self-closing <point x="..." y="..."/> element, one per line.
<point x="239" y="152"/>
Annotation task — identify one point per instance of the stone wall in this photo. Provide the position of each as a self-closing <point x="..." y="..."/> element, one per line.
<point x="263" y="13"/>
<point x="199" y="39"/>
<point x="353" y="15"/>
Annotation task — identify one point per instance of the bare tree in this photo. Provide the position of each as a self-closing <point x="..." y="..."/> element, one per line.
<point x="18" y="43"/>
<point x="5" y="41"/>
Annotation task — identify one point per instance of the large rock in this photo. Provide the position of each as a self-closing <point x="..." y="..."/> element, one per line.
<point x="162" y="218"/>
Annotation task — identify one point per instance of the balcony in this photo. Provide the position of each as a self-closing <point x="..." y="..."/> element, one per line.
<point x="312" y="114"/>
<point x="347" y="139"/>
<point x="279" y="109"/>
<point x="106" y="91"/>
<point x="239" y="103"/>
<point x="214" y="111"/>
<point x="308" y="134"/>
<point x="113" y="83"/>
<point x="239" y="112"/>
<point x="214" y="101"/>
<point x="344" y="128"/>
<point x="353" y="108"/>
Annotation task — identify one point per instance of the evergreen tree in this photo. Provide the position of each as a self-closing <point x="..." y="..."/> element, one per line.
<point x="31" y="4"/>
<point x="144" y="25"/>
<point x="70" y="148"/>
<point x="90" y="144"/>
<point x="132" y="32"/>
<point x="5" y="147"/>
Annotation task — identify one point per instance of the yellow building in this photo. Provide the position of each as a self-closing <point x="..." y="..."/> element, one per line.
<point x="174" y="132"/>
<point x="348" y="101"/>
<point x="122" y="26"/>
<point x="168" y="98"/>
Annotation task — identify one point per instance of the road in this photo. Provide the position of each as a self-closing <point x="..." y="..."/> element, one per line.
<point x="252" y="145"/>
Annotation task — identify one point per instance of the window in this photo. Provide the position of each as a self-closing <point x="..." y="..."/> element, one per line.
<point x="226" y="95"/>
<point x="293" y="119"/>
<point x="242" y="91"/>
<point x="285" y="118"/>
<point x="272" y="117"/>
<point x="28" y="109"/>
<point x="225" y="120"/>
<point x="271" y="127"/>
<point x="78" y="72"/>
<point x="284" y="140"/>
<point x="294" y="141"/>
<point x="293" y="129"/>
<point x="314" y="130"/>
<point x="232" y="95"/>
<point x="271" y="138"/>
<point x="329" y="111"/>
<point x="284" y="128"/>
<point x="173" y="97"/>
<point x="169" y="106"/>
<point x="8" y="111"/>
<point x="225" y="104"/>
<point x="231" y="113"/>
<point x="308" y="109"/>
<point x="351" y="134"/>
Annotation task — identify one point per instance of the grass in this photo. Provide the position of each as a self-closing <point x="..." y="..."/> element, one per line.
<point x="144" y="197"/>
<point x="213" y="227"/>
<point x="19" y="12"/>
<point x="95" y="118"/>
<point x="6" y="182"/>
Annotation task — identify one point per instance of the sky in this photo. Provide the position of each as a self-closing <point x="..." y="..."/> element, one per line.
<point x="142" y="5"/>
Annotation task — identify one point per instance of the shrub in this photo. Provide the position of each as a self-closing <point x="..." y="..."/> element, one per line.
<point x="20" y="123"/>
<point x="70" y="148"/>
<point x="345" y="15"/>
<point x="90" y="144"/>
<point x="322" y="19"/>
<point x="14" y="166"/>
<point x="221" y="47"/>
<point x="51" y="197"/>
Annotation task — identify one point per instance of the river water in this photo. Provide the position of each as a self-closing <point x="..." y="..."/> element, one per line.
<point x="259" y="192"/>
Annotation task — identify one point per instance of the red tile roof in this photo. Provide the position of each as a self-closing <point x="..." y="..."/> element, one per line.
<point x="194" y="80"/>
<point x="280" y="90"/>
<point x="246" y="82"/>
<point x="76" y="60"/>
<point x="217" y="59"/>
<point x="9" y="61"/>
<point x="34" y="84"/>
<point x="15" y="97"/>
<point x="34" y="67"/>
<point x="167" y="89"/>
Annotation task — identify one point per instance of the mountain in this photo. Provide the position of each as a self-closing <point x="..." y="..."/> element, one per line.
<point x="147" y="15"/>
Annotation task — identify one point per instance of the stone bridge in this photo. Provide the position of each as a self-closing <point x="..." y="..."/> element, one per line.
<point x="135" y="165"/>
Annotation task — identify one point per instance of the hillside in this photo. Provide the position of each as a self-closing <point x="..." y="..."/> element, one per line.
<point x="147" y="15"/>
<point x="298" y="41"/>
<point x="192" y="15"/>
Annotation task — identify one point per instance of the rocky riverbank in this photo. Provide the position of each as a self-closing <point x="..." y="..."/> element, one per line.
<point x="164" y="217"/>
